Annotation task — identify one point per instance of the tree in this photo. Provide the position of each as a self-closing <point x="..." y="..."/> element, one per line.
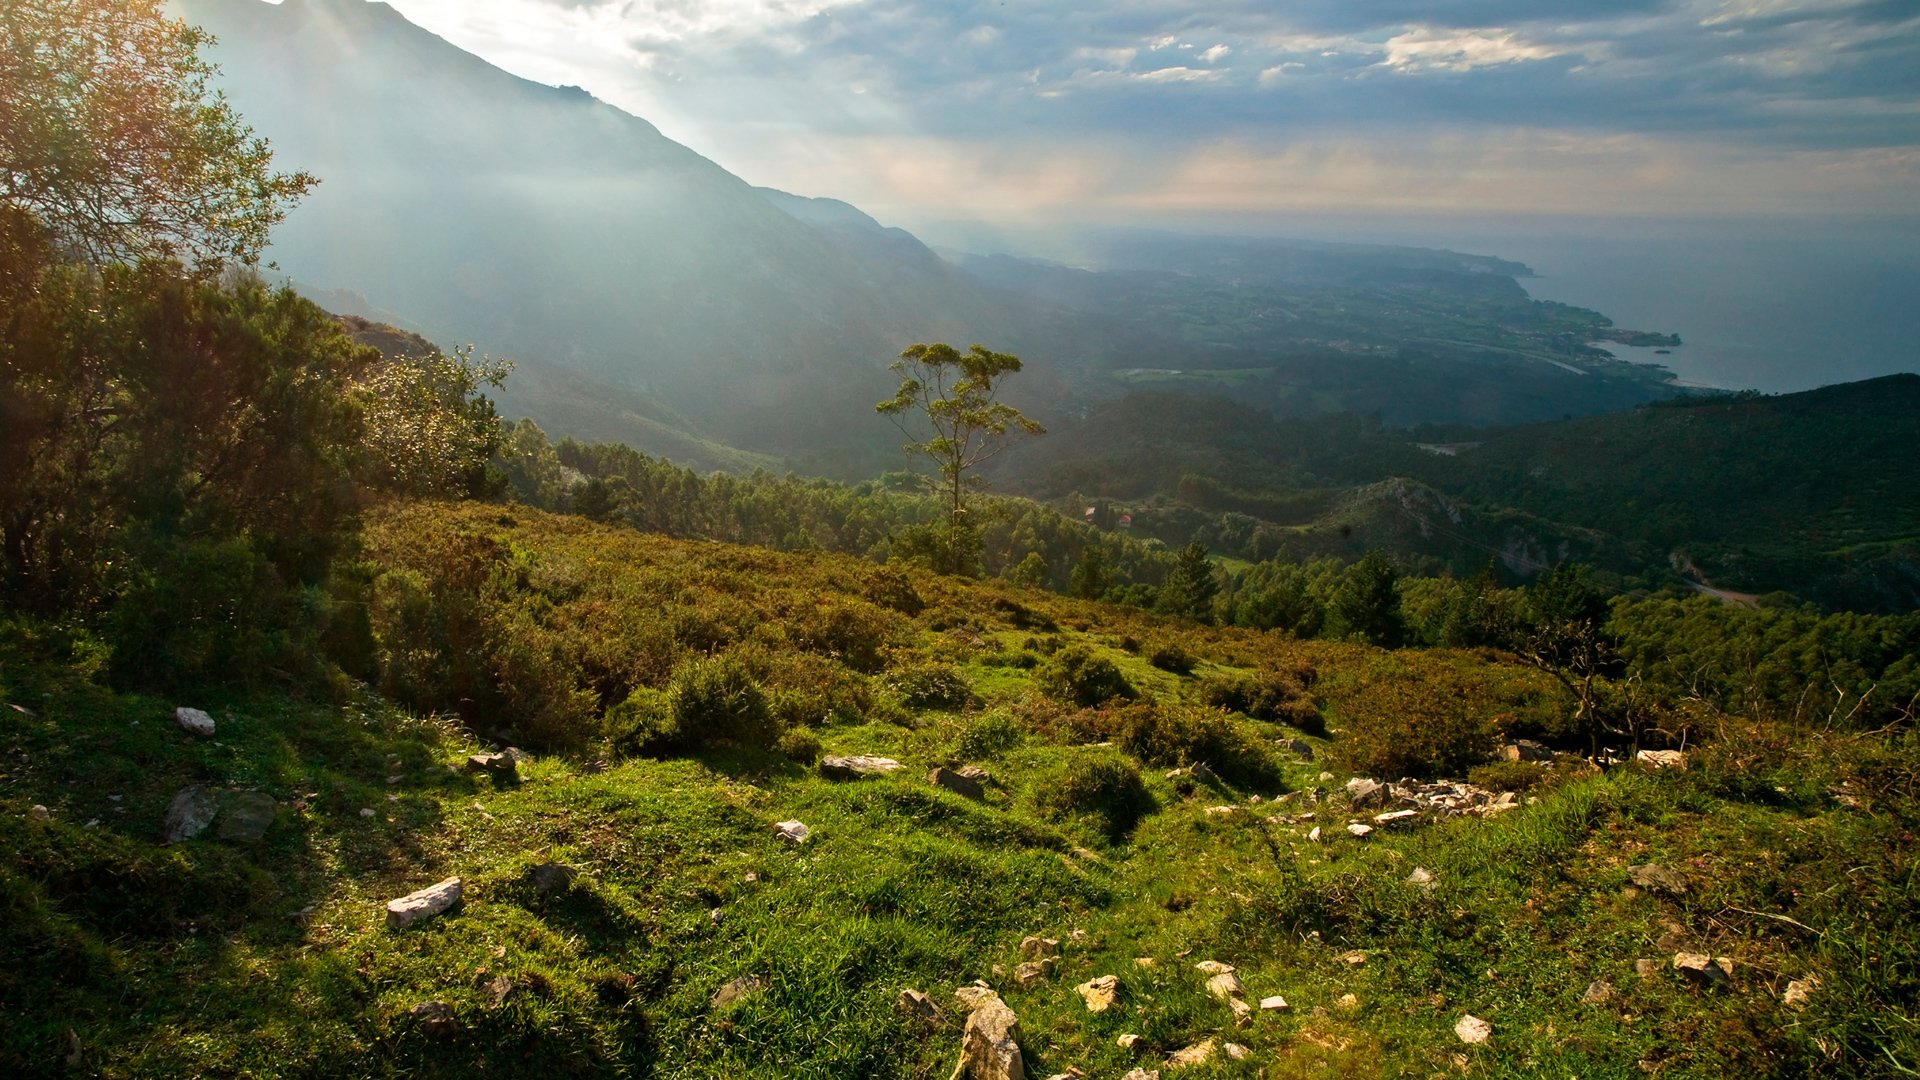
<point x="956" y="395"/>
<point x="1565" y="635"/>
<point x="111" y="137"/>
<point x="1191" y="585"/>
<point x="1366" y="604"/>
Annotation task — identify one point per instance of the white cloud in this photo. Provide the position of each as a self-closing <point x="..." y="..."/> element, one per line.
<point x="1177" y="75"/>
<point x="1216" y="52"/>
<point x="1428" y="49"/>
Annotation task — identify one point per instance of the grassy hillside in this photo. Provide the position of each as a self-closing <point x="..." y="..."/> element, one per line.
<point x="123" y="957"/>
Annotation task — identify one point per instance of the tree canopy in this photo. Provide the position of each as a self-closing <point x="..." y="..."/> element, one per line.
<point x="112" y="138"/>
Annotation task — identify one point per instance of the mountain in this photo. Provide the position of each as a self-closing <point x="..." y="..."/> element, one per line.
<point x="547" y="225"/>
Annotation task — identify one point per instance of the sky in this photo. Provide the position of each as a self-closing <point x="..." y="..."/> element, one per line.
<point x="1170" y="112"/>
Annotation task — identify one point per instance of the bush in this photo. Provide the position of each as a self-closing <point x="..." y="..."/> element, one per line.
<point x="1177" y="735"/>
<point x="931" y="686"/>
<point x="1275" y="695"/>
<point x="1509" y="775"/>
<point x="1418" y="727"/>
<point x="799" y="744"/>
<point x="715" y="699"/>
<point x="987" y="736"/>
<point x="1075" y="674"/>
<point x="1101" y="785"/>
<point x="1173" y="657"/>
<point x="642" y="725"/>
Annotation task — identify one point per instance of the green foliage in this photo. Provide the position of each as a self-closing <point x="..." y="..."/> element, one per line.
<point x="715" y="699"/>
<point x="643" y="724"/>
<point x="932" y="686"/>
<point x="1078" y="675"/>
<point x="1172" y="656"/>
<point x="1428" y="724"/>
<point x="1100" y="786"/>
<point x="1272" y="694"/>
<point x="1169" y="734"/>
<point x="1191" y="585"/>
<point x="1509" y="775"/>
<point x="987" y="735"/>
<point x="1366" y="605"/>
<point x="116" y="141"/>
<point x="799" y="744"/>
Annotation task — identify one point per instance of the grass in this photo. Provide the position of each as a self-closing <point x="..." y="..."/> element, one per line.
<point x="208" y="958"/>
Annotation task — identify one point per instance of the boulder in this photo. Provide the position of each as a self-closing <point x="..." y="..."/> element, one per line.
<point x="1473" y="1030"/>
<point x="1313" y="834"/>
<point x="990" y="1045"/>
<point x="1214" y="967"/>
<point x="1128" y="1041"/>
<point x="1662" y="759"/>
<point x="1035" y="947"/>
<point x="956" y="783"/>
<point x="734" y="991"/>
<point x="973" y="996"/>
<point x="793" y="832"/>
<point x="245" y="816"/>
<point x="1142" y="1074"/>
<point x="40" y="813"/>
<point x="975" y="773"/>
<point x="424" y="904"/>
<point x="1197" y="1054"/>
<point x="435" y="1018"/>
<point x="1225" y="985"/>
<point x="1657" y="877"/>
<point x="1701" y="970"/>
<point x="1099" y="992"/>
<point x="1421" y="878"/>
<point x="1275" y="1003"/>
<point x="190" y="812"/>
<point x="193" y="720"/>
<point x="1527" y="750"/>
<point x="1359" y="831"/>
<point x="498" y="766"/>
<point x="1030" y="972"/>
<point x="1395" y="817"/>
<point x="916" y="1006"/>
<point x="1646" y="968"/>
<point x="1362" y="792"/>
<point x="853" y="767"/>
<point x="1300" y="747"/>
<point x="550" y="878"/>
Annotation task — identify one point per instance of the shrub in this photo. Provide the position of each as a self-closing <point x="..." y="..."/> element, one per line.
<point x="931" y="686"/>
<point x="799" y="744"/>
<point x="1174" y="657"/>
<point x="1419" y="727"/>
<point x="642" y="724"/>
<point x="1101" y="785"/>
<point x="1275" y="695"/>
<point x="1075" y="674"/>
<point x="987" y="736"/>
<point x="1508" y="775"/>
<point x="1178" y="735"/>
<point x="715" y="699"/>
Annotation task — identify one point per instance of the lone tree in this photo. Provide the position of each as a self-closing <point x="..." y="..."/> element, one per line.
<point x="112" y="139"/>
<point x="952" y="398"/>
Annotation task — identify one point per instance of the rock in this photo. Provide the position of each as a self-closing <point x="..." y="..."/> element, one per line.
<point x="1100" y="992"/>
<point x="1362" y="792"/>
<point x="1646" y="968"/>
<point x="1473" y="1030"/>
<point x="1799" y="993"/>
<point x="990" y="1045"/>
<point x="736" y="990"/>
<point x="1662" y="759"/>
<point x="1128" y="1041"/>
<point x="974" y="996"/>
<point x="1204" y="774"/>
<point x="1348" y="1002"/>
<point x="1359" y="831"/>
<point x="423" y="904"/>
<point x="1354" y="957"/>
<point x="959" y="785"/>
<point x="1275" y="1003"/>
<point x="435" y="1018"/>
<point x="245" y="816"/>
<point x="1142" y="1074"/>
<point x="1300" y="747"/>
<point x="1655" y="876"/>
<point x="549" y="878"/>
<point x="193" y="720"/>
<point x="498" y="766"/>
<point x="1214" y="967"/>
<point x="1599" y="992"/>
<point x="844" y="767"/>
<point x="1032" y="971"/>
<point x="975" y="773"/>
<point x="1197" y="1054"/>
<point x="1700" y="970"/>
<point x="1035" y="947"/>
<point x="1527" y="750"/>
<point x="1241" y="1010"/>
<point x="1225" y="985"/>
<point x="1313" y="834"/>
<point x="1222" y="811"/>
<point x="517" y="755"/>
<point x="793" y="832"/>
<point x="1144" y="961"/>
<point x="1421" y="879"/>
<point x="1395" y="817"/>
<point x="190" y="812"/>
<point x="41" y="813"/>
<point x="916" y="1006"/>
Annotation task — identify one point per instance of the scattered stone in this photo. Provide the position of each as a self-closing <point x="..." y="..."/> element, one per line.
<point x="41" y="813"/>
<point x="1527" y="750"/>
<point x="793" y="832"/>
<point x="1241" y="1010"/>
<point x="1348" y="1002"/>
<point x="974" y="996"/>
<point x="1421" y="879"/>
<point x="549" y="878"/>
<point x="1127" y="1042"/>
<point x="1033" y="971"/>
<point x="1700" y="969"/>
<point x="1599" y="992"/>
<point x="1142" y="1074"/>
<point x="1100" y="992"/>
<point x="1473" y="1030"/>
<point x="1313" y="834"/>
<point x="845" y="767"/>
<point x="916" y="1006"/>
<point x="1662" y="759"/>
<point x="956" y="783"/>
<point x="518" y="756"/>
<point x="1225" y="985"/>
<point x="990" y="1045"/>
<point x="424" y="904"/>
<point x="435" y="1018"/>
<point x="1204" y="774"/>
<point x="1395" y="817"/>
<point x="1144" y="961"/>
<point x="1358" y="830"/>
<point x="1354" y="957"/>
<point x="1035" y="947"/>
<point x="975" y="773"/>
<point x="193" y="720"/>
<point x="1325" y="776"/>
<point x="1222" y="811"/>
<point x="190" y="812"/>
<point x="366" y="811"/>
<point x="1362" y="792"/>
<point x="1214" y="967"/>
<point x="1646" y="968"/>
<point x="1655" y="876"/>
<point x="1799" y="993"/>
<point x="1275" y="1003"/>
<point x="1197" y="1054"/>
<point x="499" y="989"/>
<point x="1235" y="1051"/>
<point x="498" y="766"/>
<point x="1301" y="747"/>
<point x="736" y="990"/>
<point x="245" y="816"/>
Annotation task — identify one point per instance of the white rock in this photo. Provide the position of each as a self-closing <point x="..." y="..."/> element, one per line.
<point x="1214" y="967"/>
<point x="194" y="720"/>
<point x="1225" y="985"/>
<point x="424" y="904"/>
<point x="855" y="766"/>
<point x="1395" y="817"/>
<point x="973" y="996"/>
<point x="793" y="832"/>
<point x="366" y="811"/>
<point x="1100" y="992"/>
<point x="1197" y="1054"/>
<point x="40" y="813"/>
<point x="990" y="1046"/>
<point x="1275" y="1003"/>
<point x="1142" y="1074"/>
<point x="1359" y="831"/>
<point x="189" y="814"/>
<point x="1235" y="1051"/>
<point x="1127" y="1041"/>
<point x="1241" y="1010"/>
<point x="1473" y="1030"/>
<point x="1799" y="993"/>
<point x="1421" y="878"/>
<point x="1035" y="947"/>
<point x="1700" y="969"/>
<point x="1314" y="834"/>
<point x="1662" y="759"/>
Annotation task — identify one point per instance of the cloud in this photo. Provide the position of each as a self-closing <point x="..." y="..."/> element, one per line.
<point x="1427" y="49"/>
